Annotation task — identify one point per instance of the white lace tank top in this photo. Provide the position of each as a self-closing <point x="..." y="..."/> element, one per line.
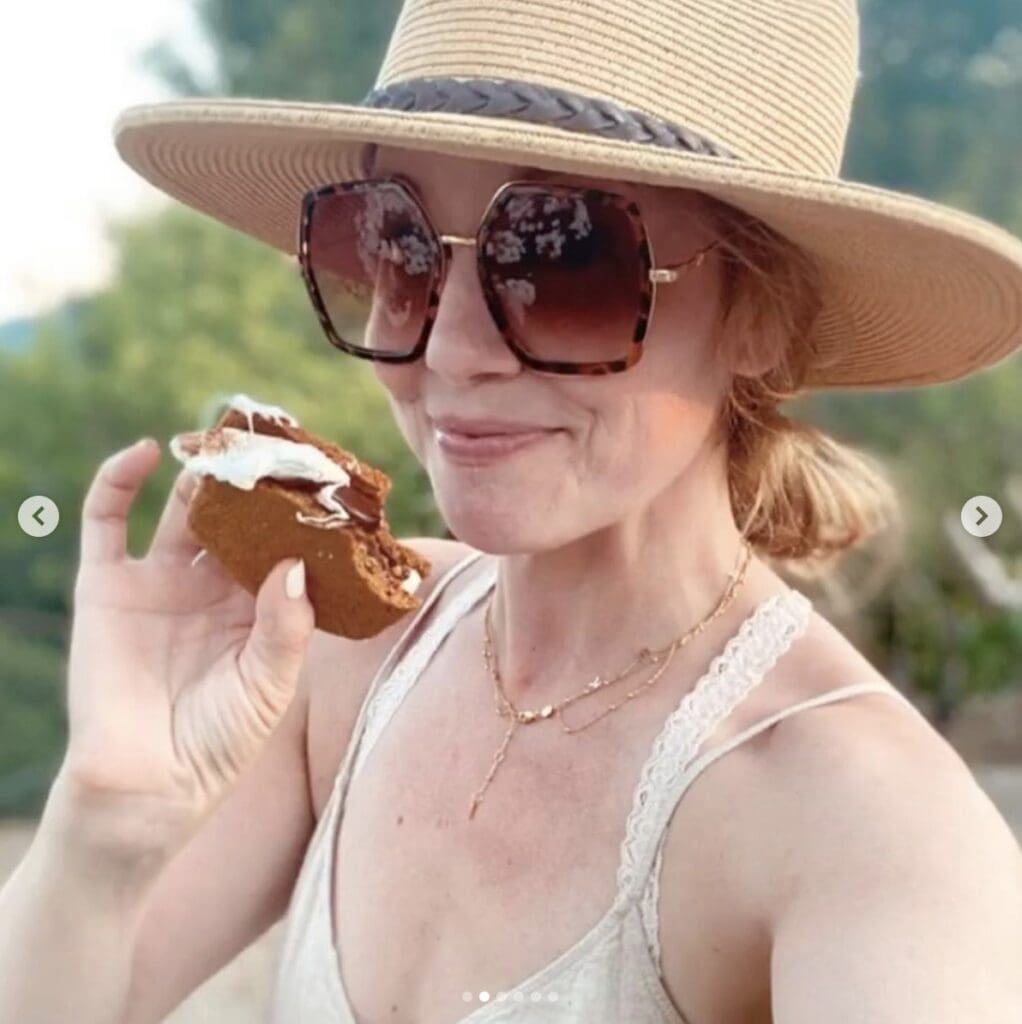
<point x="613" y="972"/>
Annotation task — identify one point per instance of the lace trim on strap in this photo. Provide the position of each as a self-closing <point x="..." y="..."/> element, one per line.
<point x="746" y="658"/>
<point x="395" y="687"/>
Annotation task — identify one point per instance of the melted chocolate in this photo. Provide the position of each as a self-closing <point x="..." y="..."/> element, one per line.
<point x="363" y="507"/>
<point x="360" y="498"/>
<point x="296" y="483"/>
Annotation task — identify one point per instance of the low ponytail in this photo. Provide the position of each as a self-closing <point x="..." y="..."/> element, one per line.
<point x="799" y="496"/>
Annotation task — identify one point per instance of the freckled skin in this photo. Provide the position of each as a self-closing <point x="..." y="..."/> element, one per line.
<point x="626" y="509"/>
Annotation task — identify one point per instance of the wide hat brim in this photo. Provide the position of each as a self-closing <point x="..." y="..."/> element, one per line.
<point x="915" y="293"/>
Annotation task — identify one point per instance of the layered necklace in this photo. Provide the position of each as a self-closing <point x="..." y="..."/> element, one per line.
<point x="659" y="659"/>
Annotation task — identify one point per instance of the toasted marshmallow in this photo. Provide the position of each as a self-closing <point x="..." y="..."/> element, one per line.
<point x="411" y="583"/>
<point x="250" y="407"/>
<point x="242" y="459"/>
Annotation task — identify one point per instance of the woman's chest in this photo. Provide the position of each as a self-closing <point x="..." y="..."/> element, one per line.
<point x="431" y="907"/>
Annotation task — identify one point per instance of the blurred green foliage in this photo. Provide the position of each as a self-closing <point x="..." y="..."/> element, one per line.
<point x="311" y="50"/>
<point x="196" y="311"/>
<point x="937" y="112"/>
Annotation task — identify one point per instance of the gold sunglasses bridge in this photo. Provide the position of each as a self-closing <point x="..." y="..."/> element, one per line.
<point x="457" y="240"/>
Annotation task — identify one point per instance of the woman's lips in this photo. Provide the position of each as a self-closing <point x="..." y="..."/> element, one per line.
<point x="485" y="448"/>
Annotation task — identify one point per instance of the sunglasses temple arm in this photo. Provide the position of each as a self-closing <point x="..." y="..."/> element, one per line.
<point x="669" y="274"/>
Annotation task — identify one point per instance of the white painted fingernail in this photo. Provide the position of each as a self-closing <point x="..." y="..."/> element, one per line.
<point x="294" y="581"/>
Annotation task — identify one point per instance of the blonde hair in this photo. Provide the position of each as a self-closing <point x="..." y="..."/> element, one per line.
<point x="799" y="496"/>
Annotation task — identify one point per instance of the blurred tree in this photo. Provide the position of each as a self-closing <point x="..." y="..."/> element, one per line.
<point x="196" y="310"/>
<point x="931" y="628"/>
<point x="937" y="115"/>
<point x="937" y="109"/>
<point x="312" y="50"/>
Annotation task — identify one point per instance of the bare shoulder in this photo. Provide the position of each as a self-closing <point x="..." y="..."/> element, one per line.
<point x="898" y="884"/>
<point x="339" y="671"/>
<point x="867" y="781"/>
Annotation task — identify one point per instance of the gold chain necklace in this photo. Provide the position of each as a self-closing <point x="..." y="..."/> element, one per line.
<point x="517" y="717"/>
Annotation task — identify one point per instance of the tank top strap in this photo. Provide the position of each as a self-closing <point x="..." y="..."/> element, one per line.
<point x="401" y="671"/>
<point x="398" y="670"/>
<point x="649" y="905"/>
<point x="761" y="640"/>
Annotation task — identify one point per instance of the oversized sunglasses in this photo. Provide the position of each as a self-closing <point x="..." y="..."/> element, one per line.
<point x="567" y="272"/>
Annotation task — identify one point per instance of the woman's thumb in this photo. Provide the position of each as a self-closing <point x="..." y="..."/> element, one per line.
<point x="272" y="657"/>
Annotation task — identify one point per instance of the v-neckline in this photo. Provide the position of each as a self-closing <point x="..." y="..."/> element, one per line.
<point x="622" y="899"/>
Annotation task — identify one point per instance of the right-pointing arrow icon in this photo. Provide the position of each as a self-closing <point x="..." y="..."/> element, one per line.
<point x="981" y="515"/>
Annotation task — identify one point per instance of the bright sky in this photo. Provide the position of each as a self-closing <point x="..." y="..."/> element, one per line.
<point x="66" y="69"/>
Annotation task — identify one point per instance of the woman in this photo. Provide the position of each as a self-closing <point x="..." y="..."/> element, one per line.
<point x="530" y="831"/>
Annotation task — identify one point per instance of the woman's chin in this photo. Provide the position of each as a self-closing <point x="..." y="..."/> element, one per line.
<point x="496" y="507"/>
<point x="494" y="533"/>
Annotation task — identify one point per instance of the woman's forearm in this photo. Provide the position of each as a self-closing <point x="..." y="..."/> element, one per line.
<point x="68" y="921"/>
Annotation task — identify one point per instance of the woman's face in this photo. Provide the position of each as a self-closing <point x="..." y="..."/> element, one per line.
<point x="621" y="439"/>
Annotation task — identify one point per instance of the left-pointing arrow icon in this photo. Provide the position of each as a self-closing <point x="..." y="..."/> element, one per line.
<point x="38" y="515"/>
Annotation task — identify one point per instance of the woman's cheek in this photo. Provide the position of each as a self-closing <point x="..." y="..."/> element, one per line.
<point x="401" y="381"/>
<point x="401" y="397"/>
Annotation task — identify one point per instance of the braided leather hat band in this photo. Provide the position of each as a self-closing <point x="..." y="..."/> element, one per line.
<point x="540" y="104"/>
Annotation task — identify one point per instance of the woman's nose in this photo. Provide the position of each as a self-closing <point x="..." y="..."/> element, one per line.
<point x="464" y="341"/>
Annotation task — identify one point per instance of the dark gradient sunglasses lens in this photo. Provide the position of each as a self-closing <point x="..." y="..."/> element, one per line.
<point x="375" y="261"/>
<point x="568" y="270"/>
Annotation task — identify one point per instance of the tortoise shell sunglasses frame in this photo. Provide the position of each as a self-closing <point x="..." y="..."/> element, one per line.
<point x="652" y="276"/>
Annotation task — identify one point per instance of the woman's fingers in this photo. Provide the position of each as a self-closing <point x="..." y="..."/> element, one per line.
<point x="173" y="536"/>
<point x="109" y="497"/>
<point x="272" y="656"/>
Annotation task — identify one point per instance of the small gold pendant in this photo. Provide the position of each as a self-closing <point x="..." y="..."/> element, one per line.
<point x="526" y="717"/>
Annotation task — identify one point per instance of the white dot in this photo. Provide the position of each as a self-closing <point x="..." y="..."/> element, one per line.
<point x="484" y="996"/>
<point x="501" y="996"/>
<point x="466" y="997"/>
<point x="552" y="997"/>
<point x="519" y="997"/>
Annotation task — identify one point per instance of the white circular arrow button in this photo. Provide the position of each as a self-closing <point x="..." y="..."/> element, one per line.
<point x="981" y="516"/>
<point x="38" y="516"/>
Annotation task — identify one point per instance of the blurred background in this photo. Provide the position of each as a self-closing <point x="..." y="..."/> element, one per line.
<point x="122" y="315"/>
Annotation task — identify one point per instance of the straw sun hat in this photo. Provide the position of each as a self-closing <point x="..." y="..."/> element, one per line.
<point x="746" y="100"/>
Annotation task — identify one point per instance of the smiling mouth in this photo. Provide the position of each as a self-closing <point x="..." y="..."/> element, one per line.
<point x="485" y="447"/>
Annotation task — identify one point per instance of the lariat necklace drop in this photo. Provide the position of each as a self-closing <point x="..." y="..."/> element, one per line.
<point x="661" y="659"/>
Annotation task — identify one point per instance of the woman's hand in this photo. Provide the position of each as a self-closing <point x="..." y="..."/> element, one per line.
<point x="177" y="675"/>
